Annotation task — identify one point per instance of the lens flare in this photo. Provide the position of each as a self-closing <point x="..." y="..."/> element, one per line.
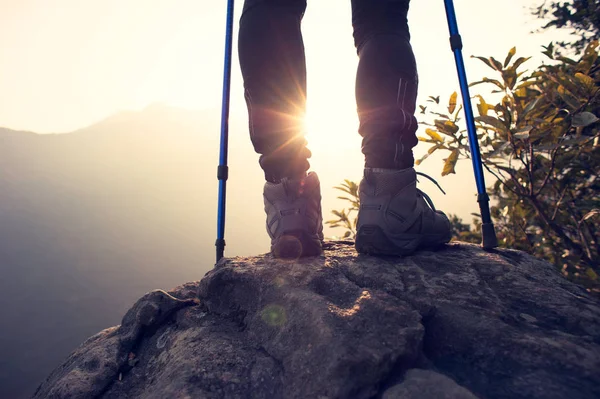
<point x="274" y="315"/>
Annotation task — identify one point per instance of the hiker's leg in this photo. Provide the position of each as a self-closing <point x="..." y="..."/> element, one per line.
<point x="386" y="82"/>
<point x="394" y="217"/>
<point x="273" y="66"/>
<point x="272" y="60"/>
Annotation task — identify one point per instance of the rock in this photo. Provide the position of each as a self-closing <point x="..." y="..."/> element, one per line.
<point x="459" y="322"/>
<point x="148" y="313"/>
<point x="94" y="365"/>
<point x="87" y="371"/>
<point x="427" y="384"/>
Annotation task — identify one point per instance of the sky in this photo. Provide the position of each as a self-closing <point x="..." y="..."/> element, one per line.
<point x="67" y="64"/>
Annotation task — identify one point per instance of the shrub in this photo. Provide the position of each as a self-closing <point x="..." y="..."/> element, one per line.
<point x="541" y="141"/>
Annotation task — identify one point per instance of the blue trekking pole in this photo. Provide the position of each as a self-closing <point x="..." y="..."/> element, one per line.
<point x="223" y="170"/>
<point x="487" y="228"/>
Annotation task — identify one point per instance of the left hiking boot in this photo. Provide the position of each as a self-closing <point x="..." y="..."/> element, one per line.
<point x="294" y="217"/>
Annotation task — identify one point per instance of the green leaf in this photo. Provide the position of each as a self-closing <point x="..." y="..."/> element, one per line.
<point x="549" y="51"/>
<point x="452" y="102"/>
<point x="584" y="119"/>
<point x="586" y="80"/>
<point x="424" y="157"/>
<point x="497" y="64"/>
<point x="591" y="274"/>
<point x="447" y="127"/>
<point x="493" y="121"/>
<point x="492" y="81"/>
<point x="527" y="83"/>
<point x="433" y="148"/>
<point x="457" y="115"/>
<point x="522" y="134"/>
<point x="434" y="99"/>
<point x="482" y="107"/>
<point x="506" y="116"/>
<point x="498" y="152"/>
<point x="590" y="214"/>
<point x="520" y="61"/>
<point x="450" y="163"/>
<point x="347" y="234"/>
<point x="530" y="106"/>
<point x="566" y="60"/>
<point x="434" y="135"/>
<point x="485" y="60"/>
<point x="511" y="54"/>
<point x="451" y="127"/>
<point x="341" y="214"/>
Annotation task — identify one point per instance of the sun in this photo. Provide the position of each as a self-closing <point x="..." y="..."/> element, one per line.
<point x="331" y="125"/>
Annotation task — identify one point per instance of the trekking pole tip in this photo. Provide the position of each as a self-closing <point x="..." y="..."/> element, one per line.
<point x="220" y="244"/>
<point x="488" y="235"/>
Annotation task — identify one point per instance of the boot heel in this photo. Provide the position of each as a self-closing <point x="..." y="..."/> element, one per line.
<point x="296" y="244"/>
<point x="371" y="240"/>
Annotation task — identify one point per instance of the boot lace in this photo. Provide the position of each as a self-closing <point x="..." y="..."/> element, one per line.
<point x="424" y="195"/>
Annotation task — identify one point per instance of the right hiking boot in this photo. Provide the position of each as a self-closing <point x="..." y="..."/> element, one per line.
<point x="395" y="217"/>
<point x="294" y="217"/>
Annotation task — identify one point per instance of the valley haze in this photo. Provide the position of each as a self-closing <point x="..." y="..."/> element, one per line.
<point x="93" y="219"/>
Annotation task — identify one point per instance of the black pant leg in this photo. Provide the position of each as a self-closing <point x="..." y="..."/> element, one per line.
<point x="273" y="66"/>
<point x="386" y="82"/>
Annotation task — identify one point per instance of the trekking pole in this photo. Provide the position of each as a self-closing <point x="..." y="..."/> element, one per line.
<point x="223" y="170"/>
<point x="488" y="233"/>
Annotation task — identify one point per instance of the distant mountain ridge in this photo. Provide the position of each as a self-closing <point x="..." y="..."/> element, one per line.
<point x="92" y="219"/>
<point x="5" y="133"/>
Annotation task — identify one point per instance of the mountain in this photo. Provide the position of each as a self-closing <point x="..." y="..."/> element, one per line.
<point x="92" y="219"/>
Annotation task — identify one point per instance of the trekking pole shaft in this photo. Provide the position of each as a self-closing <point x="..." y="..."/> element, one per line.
<point x="223" y="169"/>
<point x="487" y="228"/>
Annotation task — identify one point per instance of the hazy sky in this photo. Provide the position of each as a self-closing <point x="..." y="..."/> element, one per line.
<point x="66" y="64"/>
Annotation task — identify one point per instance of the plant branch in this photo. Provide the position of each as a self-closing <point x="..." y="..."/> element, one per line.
<point x="555" y="228"/>
<point x="552" y="154"/>
<point x="530" y="169"/>
<point x="558" y="203"/>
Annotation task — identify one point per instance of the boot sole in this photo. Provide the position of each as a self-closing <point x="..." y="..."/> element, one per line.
<point x="371" y="240"/>
<point x="296" y="244"/>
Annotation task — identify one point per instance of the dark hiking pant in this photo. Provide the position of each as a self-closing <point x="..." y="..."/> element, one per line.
<point x="272" y="60"/>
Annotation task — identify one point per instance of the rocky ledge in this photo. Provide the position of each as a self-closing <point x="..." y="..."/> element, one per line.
<point x="460" y="322"/>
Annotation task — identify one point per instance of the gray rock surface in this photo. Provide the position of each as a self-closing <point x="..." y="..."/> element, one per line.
<point x="455" y="323"/>
<point x="419" y="384"/>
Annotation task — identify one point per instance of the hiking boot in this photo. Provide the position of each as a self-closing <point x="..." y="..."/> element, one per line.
<point x="294" y="217"/>
<point x="395" y="217"/>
